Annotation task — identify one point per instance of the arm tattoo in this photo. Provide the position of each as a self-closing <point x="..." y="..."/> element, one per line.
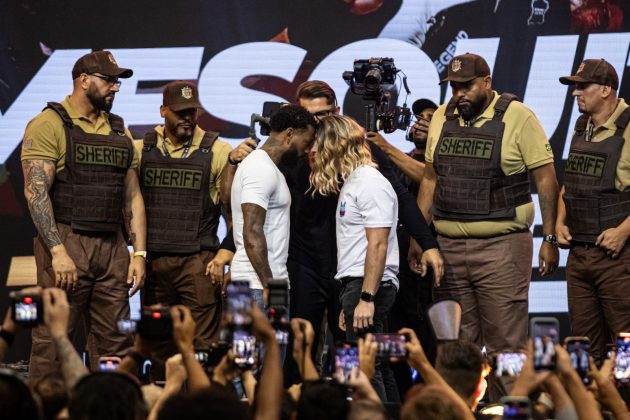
<point x="255" y="241"/>
<point x="38" y="177"/>
<point x="72" y="367"/>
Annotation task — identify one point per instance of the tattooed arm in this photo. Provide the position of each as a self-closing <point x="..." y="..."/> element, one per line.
<point x="56" y="318"/>
<point x="547" y="187"/>
<point x="255" y="241"/>
<point x="38" y="178"/>
<point x="134" y="204"/>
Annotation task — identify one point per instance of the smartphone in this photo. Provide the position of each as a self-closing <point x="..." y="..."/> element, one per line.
<point x="108" y="363"/>
<point x="239" y="304"/>
<point x="391" y="346"/>
<point x="516" y="408"/>
<point x="27" y="308"/>
<point x="578" y="349"/>
<point x="508" y="364"/>
<point x="622" y="360"/>
<point x="127" y="326"/>
<point x="545" y="334"/>
<point x="346" y="358"/>
<point x="155" y="324"/>
<point x="244" y="349"/>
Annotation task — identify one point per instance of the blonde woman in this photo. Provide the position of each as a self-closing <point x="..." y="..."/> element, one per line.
<point x="366" y="217"/>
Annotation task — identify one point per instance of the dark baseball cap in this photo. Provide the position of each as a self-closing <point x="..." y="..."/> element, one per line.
<point x="180" y="95"/>
<point x="102" y="62"/>
<point x="465" y="67"/>
<point x="422" y="104"/>
<point x="592" y="70"/>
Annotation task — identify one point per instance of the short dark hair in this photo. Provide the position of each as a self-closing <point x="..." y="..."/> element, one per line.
<point x="313" y="89"/>
<point x="430" y="403"/>
<point x="107" y="395"/>
<point x="16" y="401"/>
<point x="291" y="116"/>
<point x="460" y="363"/>
<point x="51" y="390"/>
<point x="214" y="402"/>
<point x="321" y="400"/>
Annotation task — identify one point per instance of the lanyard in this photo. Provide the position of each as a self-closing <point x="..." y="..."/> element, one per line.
<point x="186" y="149"/>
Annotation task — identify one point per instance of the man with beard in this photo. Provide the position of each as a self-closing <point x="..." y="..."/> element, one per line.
<point x="79" y="174"/>
<point x="480" y="148"/>
<point x="261" y="202"/>
<point x="594" y="206"/>
<point x="180" y="174"/>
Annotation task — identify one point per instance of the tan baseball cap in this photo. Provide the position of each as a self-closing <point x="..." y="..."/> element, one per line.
<point x="465" y="67"/>
<point x="180" y="95"/>
<point x="592" y="70"/>
<point x="100" y="62"/>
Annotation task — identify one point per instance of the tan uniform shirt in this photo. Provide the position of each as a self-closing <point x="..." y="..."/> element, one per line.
<point x="220" y="152"/>
<point x="622" y="178"/>
<point x="45" y="137"/>
<point x="525" y="146"/>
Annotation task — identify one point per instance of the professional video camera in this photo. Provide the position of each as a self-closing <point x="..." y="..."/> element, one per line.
<point x="374" y="79"/>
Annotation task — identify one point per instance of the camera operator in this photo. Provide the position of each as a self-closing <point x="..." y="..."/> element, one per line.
<point x="366" y="218"/>
<point x="410" y="164"/>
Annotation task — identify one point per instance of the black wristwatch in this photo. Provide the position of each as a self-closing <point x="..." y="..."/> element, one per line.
<point x="367" y="297"/>
<point x="551" y="239"/>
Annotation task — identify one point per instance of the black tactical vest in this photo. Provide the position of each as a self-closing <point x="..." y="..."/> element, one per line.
<point x="470" y="182"/>
<point x="181" y="217"/>
<point x="592" y="202"/>
<point x="89" y="193"/>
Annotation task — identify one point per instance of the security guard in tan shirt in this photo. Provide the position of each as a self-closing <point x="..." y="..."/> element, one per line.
<point x="180" y="175"/>
<point x="79" y="175"/>
<point x="594" y="209"/>
<point x="480" y="148"/>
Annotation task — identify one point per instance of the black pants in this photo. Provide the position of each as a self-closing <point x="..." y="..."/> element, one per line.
<point x="383" y="381"/>
<point x="312" y="295"/>
<point x="410" y="311"/>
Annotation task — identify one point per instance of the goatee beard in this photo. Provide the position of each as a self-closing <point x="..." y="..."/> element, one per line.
<point x="470" y="110"/>
<point x="100" y="103"/>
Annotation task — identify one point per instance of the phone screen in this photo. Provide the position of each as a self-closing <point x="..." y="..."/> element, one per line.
<point x="516" y="409"/>
<point x="108" y="364"/>
<point x="391" y="346"/>
<point x="25" y="310"/>
<point x="509" y="364"/>
<point x="578" y="352"/>
<point x="239" y="303"/>
<point x="244" y="349"/>
<point x="346" y="358"/>
<point x="545" y="335"/>
<point x="622" y="361"/>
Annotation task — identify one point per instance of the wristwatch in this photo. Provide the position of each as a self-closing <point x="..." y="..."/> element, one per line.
<point x="551" y="239"/>
<point x="367" y="297"/>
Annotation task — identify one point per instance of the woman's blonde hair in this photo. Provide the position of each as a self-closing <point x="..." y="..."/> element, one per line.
<point x="340" y="148"/>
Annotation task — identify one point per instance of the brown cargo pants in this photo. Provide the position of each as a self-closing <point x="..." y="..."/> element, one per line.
<point x="181" y="279"/>
<point x="599" y="304"/>
<point x="100" y="296"/>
